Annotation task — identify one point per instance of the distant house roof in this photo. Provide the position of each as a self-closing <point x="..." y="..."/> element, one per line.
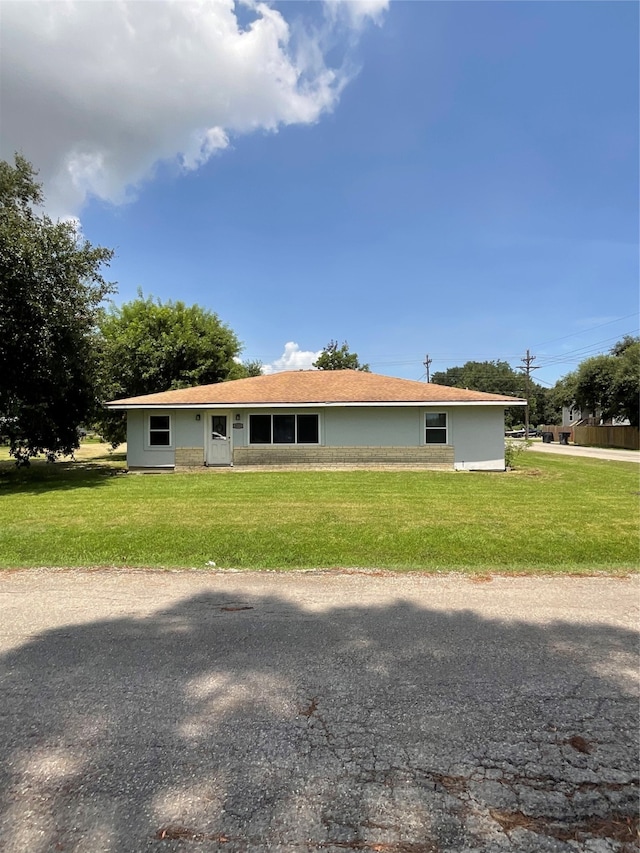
<point x="314" y="387"/>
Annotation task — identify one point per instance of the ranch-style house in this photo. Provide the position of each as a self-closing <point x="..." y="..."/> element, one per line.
<point x="316" y="417"/>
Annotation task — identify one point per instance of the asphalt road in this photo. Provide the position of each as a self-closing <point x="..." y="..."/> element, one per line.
<point x="233" y="712"/>
<point x="612" y="454"/>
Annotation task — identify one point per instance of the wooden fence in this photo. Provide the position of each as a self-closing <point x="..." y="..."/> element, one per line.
<point x="626" y="437"/>
<point x="556" y="430"/>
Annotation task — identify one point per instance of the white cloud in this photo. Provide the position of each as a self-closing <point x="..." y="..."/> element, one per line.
<point x="95" y="94"/>
<point x="357" y="12"/>
<point x="293" y="358"/>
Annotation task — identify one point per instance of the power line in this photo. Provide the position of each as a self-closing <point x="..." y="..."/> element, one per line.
<point x="570" y="357"/>
<point x="391" y="360"/>
<point x="584" y="331"/>
<point x="583" y="351"/>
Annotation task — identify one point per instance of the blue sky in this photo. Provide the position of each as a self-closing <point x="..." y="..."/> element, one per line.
<point x="465" y="185"/>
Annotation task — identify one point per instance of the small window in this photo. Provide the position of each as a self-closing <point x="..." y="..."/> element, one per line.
<point x="284" y="429"/>
<point x="219" y="426"/>
<point x="159" y="431"/>
<point x="307" y="429"/>
<point x="260" y="429"/>
<point x="436" y="428"/>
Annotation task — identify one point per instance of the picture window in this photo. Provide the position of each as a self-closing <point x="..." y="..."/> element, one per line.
<point x="283" y="429"/>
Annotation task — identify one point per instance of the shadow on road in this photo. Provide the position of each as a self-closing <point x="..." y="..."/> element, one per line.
<point x="251" y="723"/>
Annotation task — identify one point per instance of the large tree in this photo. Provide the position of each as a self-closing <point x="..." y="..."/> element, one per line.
<point x="51" y="288"/>
<point x="542" y="406"/>
<point x="149" y="346"/>
<point x="609" y="384"/>
<point x="245" y="369"/>
<point x="495" y="377"/>
<point x="335" y="357"/>
<point x="563" y="393"/>
<point x="627" y="387"/>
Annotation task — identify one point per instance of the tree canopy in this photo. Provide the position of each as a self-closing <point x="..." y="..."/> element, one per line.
<point x="148" y="346"/>
<point x="493" y="377"/>
<point x="608" y="384"/>
<point x="498" y="377"/>
<point x="334" y="357"/>
<point x="627" y="380"/>
<point x="51" y="288"/>
<point x="245" y="369"/>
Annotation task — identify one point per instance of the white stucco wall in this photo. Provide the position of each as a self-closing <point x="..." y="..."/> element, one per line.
<point x="187" y="431"/>
<point x="371" y="427"/>
<point x="477" y="435"/>
<point x="139" y="455"/>
<point x="239" y="437"/>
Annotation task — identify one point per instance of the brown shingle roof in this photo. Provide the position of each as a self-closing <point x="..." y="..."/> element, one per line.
<point x="314" y="386"/>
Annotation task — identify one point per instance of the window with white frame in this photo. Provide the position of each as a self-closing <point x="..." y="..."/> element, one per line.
<point x="159" y="430"/>
<point x="283" y="429"/>
<point x="435" y="428"/>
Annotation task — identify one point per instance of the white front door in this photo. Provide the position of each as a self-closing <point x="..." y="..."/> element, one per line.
<point x="218" y="440"/>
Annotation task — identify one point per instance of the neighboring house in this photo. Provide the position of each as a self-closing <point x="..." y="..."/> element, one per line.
<point x="314" y="417"/>
<point x="573" y="416"/>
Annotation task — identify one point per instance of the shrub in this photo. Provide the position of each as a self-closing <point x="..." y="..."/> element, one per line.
<point x="513" y="450"/>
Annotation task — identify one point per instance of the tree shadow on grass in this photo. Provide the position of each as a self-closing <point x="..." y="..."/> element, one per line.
<point x="41" y="477"/>
<point x="234" y="722"/>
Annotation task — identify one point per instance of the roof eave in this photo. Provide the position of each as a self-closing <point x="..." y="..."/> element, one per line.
<point x="327" y="404"/>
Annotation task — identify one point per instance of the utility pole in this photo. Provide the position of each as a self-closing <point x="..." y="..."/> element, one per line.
<point x="427" y="361"/>
<point x="528" y="367"/>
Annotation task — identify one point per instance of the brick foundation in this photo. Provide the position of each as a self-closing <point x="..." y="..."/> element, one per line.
<point x="429" y="456"/>
<point x="189" y="457"/>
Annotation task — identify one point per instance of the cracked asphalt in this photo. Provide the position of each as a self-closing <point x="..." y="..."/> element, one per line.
<point x="188" y="711"/>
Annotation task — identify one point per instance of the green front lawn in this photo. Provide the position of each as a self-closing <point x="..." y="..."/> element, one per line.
<point x="553" y="514"/>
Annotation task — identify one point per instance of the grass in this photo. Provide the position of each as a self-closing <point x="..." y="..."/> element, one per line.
<point x="555" y="514"/>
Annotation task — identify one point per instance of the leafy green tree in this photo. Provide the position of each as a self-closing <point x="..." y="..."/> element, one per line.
<point x="245" y="369"/>
<point x="51" y="288"/>
<point x="148" y="346"/>
<point x="563" y="393"/>
<point x="542" y="408"/>
<point x="560" y="395"/>
<point x="594" y="386"/>
<point x="492" y="377"/>
<point x="627" y="380"/>
<point x="610" y="384"/>
<point x="334" y="357"/>
<point x="607" y="385"/>
<point x="621" y="348"/>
